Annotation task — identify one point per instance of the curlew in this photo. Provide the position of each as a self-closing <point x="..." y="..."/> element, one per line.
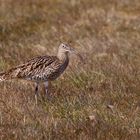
<point x="41" y="69"/>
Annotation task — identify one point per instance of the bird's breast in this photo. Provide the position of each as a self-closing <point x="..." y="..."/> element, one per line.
<point x="57" y="69"/>
<point x="64" y="66"/>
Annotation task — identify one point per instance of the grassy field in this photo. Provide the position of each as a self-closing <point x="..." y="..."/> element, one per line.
<point x="98" y="100"/>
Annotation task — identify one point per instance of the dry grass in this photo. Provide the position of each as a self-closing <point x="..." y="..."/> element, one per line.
<point x="98" y="100"/>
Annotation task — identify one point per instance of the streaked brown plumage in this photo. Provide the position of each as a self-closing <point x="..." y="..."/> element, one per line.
<point x="42" y="68"/>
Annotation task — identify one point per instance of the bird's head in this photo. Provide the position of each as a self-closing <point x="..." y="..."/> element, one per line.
<point x="64" y="48"/>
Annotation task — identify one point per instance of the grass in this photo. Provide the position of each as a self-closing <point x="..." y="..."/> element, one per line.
<point x="96" y="100"/>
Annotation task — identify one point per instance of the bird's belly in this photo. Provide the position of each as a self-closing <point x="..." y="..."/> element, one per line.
<point x="36" y="79"/>
<point x="44" y="77"/>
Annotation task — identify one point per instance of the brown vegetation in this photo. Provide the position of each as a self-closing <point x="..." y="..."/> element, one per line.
<point x="97" y="100"/>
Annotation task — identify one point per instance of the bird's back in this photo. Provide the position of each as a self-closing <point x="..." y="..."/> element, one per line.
<point x="41" y="68"/>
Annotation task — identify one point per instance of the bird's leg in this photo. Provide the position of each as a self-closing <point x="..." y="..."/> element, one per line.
<point x="36" y="91"/>
<point x="46" y="89"/>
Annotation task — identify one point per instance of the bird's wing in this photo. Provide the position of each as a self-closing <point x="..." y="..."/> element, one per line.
<point x="33" y="67"/>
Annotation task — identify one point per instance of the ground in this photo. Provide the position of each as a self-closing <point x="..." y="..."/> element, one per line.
<point x="95" y="100"/>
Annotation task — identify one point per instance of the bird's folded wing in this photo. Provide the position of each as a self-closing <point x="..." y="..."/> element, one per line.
<point x="33" y="67"/>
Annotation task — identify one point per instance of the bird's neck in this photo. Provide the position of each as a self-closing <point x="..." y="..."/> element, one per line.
<point x="63" y="56"/>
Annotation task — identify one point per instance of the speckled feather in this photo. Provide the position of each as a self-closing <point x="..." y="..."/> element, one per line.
<point x="41" y="68"/>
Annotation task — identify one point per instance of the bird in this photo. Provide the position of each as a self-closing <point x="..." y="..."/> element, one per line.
<point x="42" y="68"/>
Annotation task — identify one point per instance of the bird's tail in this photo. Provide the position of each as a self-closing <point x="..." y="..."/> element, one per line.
<point x="10" y="74"/>
<point x="3" y="76"/>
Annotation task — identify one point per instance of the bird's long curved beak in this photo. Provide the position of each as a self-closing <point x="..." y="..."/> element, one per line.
<point x="80" y="57"/>
<point x="78" y="54"/>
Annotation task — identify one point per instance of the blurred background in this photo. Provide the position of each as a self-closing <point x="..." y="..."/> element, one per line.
<point x="96" y="100"/>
